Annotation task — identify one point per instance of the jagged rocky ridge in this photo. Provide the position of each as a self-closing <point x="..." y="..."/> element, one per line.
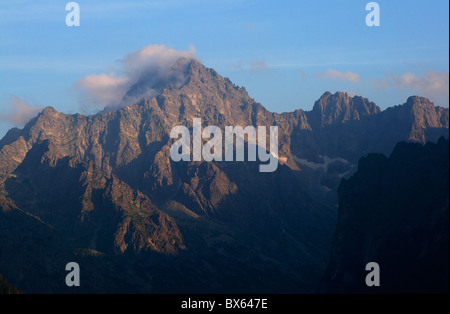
<point x="102" y="190"/>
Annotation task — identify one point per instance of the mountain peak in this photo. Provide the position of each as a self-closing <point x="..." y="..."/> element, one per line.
<point x="417" y="101"/>
<point x="205" y="94"/>
<point x="199" y="73"/>
<point x="49" y="110"/>
<point x="152" y="82"/>
<point x="340" y="107"/>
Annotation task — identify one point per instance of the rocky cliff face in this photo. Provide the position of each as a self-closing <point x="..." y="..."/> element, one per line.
<point x="394" y="211"/>
<point x="340" y="108"/>
<point x="104" y="185"/>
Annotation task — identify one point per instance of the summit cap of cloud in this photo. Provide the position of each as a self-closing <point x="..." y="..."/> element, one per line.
<point x="142" y="73"/>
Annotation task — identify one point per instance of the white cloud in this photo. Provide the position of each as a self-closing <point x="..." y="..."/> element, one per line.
<point x="104" y="89"/>
<point x="141" y="74"/>
<point x="338" y="75"/>
<point x="433" y="85"/>
<point x="19" y="112"/>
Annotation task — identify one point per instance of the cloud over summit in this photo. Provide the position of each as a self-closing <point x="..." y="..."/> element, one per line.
<point x="142" y="73"/>
<point x="433" y="84"/>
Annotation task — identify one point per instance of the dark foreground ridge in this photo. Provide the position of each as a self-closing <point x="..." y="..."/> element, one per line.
<point x="395" y="212"/>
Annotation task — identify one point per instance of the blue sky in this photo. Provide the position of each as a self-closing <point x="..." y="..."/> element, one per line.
<point x="286" y="53"/>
